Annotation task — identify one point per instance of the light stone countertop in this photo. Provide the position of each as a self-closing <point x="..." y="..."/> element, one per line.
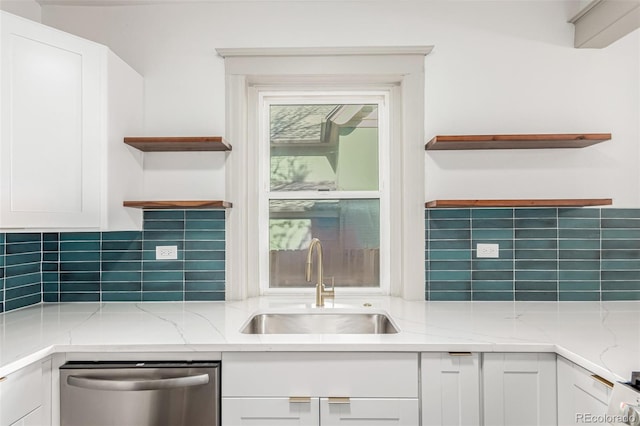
<point x="603" y="337"/>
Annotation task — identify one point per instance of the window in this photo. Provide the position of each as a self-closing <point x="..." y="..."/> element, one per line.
<point x="396" y="71"/>
<point x="324" y="175"/>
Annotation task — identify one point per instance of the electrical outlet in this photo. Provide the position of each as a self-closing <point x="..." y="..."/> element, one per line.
<point x="488" y="250"/>
<point x="166" y="252"/>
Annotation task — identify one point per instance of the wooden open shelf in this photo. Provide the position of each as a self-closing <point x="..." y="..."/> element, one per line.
<point x="563" y="202"/>
<point x="192" y="204"/>
<point x="182" y="143"/>
<point x="531" y="141"/>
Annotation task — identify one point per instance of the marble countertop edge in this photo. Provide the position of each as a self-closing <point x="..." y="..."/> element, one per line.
<point x="600" y="337"/>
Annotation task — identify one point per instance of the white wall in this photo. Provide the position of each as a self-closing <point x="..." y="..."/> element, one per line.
<point x="29" y="9"/>
<point x="497" y="67"/>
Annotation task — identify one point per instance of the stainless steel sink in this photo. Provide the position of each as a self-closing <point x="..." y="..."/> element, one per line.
<point x="319" y="323"/>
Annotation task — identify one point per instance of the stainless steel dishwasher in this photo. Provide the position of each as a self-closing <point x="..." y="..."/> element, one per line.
<point x="140" y="393"/>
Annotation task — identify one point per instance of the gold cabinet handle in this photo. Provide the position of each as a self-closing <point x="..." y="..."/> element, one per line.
<point x="460" y="353"/>
<point x="602" y="380"/>
<point x="2" y="379"/>
<point x="299" y="399"/>
<point x="339" y="400"/>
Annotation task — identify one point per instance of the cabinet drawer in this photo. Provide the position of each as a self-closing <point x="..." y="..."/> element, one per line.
<point x="370" y="412"/>
<point x="269" y="412"/>
<point x="20" y="393"/>
<point x="326" y="374"/>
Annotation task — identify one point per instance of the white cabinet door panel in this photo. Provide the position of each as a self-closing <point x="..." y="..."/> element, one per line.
<point x="52" y="104"/>
<point x="34" y="418"/>
<point x="450" y="389"/>
<point x="519" y="389"/>
<point x="362" y="374"/>
<point x="581" y="398"/>
<point x="269" y="412"/>
<point x="21" y="393"/>
<point x="370" y="412"/>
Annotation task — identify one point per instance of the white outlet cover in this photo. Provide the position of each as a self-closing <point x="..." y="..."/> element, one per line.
<point x="488" y="250"/>
<point x="166" y="252"/>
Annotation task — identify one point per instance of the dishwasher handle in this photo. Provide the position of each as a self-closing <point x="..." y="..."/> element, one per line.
<point x="137" y="385"/>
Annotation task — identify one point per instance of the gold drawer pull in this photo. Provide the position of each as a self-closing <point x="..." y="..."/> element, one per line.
<point x="602" y="380"/>
<point x="299" y="399"/>
<point x="460" y="353"/>
<point x="339" y="400"/>
<point x="2" y="379"/>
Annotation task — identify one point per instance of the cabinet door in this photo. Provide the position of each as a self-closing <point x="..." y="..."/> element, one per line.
<point x="34" y="418"/>
<point x="20" y="393"/>
<point x="519" y="389"/>
<point x="52" y="126"/>
<point x="581" y="398"/>
<point x="269" y="412"/>
<point x="450" y="389"/>
<point x="369" y="411"/>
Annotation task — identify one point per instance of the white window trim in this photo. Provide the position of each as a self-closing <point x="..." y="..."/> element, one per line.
<point x="399" y="69"/>
<point x="286" y="96"/>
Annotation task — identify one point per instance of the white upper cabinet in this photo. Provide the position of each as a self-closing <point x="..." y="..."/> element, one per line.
<point x="55" y="95"/>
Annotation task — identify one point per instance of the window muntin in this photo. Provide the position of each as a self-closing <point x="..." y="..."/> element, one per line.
<point x="323" y="178"/>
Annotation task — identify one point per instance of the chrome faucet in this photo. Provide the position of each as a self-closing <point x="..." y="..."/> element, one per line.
<point x="321" y="292"/>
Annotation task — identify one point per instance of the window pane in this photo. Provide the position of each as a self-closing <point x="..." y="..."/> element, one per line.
<point x="349" y="231"/>
<point x="324" y="147"/>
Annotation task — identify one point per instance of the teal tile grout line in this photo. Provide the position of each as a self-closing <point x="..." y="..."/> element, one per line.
<point x="513" y="237"/>
<point x="600" y="260"/>
<point x="471" y="286"/>
<point x="184" y="239"/>
<point x="558" y="254"/>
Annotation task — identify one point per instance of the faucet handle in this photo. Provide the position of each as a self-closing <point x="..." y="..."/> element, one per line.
<point x="330" y="293"/>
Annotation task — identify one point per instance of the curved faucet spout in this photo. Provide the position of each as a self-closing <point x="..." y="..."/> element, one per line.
<point x="321" y="292"/>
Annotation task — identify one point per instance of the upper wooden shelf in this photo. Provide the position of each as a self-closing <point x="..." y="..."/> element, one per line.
<point x="192" y="204"/>
<point x="532" y="141"/>
<point x="564" y="202"/>
<point x="181" y="143"/>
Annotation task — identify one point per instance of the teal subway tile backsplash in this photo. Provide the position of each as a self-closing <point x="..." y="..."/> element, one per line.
<point x="21" y="270"/>
<point x="562" y="254"/>
<point x="117" y="266"/>
<point x="545" y="254"/>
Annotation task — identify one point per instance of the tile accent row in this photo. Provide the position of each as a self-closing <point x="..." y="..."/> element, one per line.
<point x="545" y="254"/>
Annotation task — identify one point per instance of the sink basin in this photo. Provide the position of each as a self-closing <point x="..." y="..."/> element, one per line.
<point x="319" y="323"/>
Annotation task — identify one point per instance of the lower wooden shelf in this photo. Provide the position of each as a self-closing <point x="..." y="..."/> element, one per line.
<point x="191" y="204"/>
<point x="561" y="202"/>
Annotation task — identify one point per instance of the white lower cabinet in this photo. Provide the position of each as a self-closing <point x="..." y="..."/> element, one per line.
<point x="270" y="411"/>
<point x="450" y="388"/>
<point x="320" y="388"/>
<point x="368" y="411"/>
<point x="34" y="418"/>
<point x="25" y="396"/>
<point x="583" y="397"/>
<point x="519" y="389"/>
